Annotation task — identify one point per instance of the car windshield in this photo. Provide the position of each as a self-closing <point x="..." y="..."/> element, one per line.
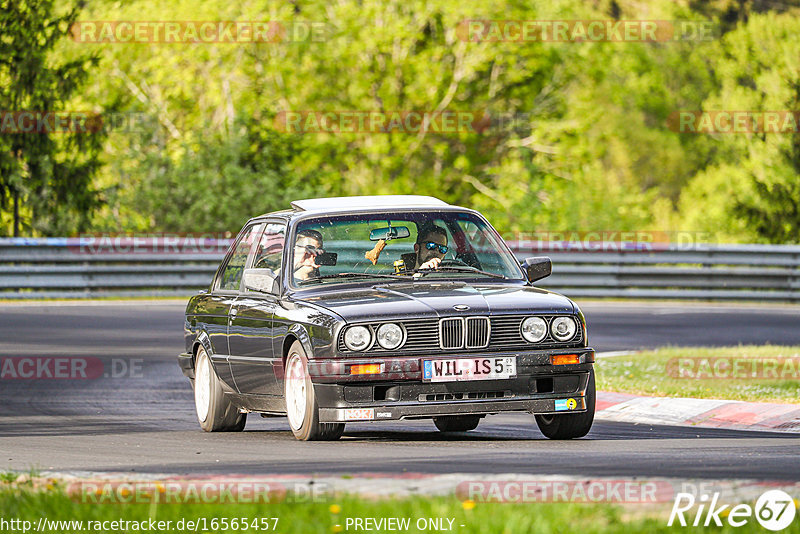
<point x="398" y="245"/>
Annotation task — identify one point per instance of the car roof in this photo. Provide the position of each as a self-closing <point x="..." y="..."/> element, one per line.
<point x="358" y="204"/>
<point x="374" y="201"/>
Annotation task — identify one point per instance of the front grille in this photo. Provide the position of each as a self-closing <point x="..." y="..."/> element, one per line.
<point x="431" y="336"/>
<point x="477" y="332"/>
<point x="451" y="333"/>
<point x="459" y="333"/>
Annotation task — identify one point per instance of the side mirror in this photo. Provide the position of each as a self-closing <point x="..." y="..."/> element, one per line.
<point x="537" y="268"/>
<point x="261" y="280"/>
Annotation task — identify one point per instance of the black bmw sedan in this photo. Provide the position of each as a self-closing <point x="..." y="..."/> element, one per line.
<point x="380" y="308"/>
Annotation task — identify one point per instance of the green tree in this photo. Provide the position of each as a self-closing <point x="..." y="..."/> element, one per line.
<point x="749" y="191"/>
<point x="773" y="211"/>
<point x="216" y="185"/>
<point x="45" y="178"/>
<point x="583" y="143"/>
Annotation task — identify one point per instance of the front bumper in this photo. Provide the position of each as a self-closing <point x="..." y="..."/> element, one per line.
<point x="400" y="393"/>
<point x="186" y="363"/>
<point x="420" y="411"/>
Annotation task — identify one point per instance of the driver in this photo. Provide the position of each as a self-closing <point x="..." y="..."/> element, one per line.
<point x="431" y="246"/>
<point x="306" y="249"/>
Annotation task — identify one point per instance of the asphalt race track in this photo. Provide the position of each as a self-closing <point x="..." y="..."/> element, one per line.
<point x="142" y="420"/>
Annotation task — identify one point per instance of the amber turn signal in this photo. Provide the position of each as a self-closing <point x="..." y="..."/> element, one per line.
<point x="365" y="369"/>
<point x="565" y="359"/>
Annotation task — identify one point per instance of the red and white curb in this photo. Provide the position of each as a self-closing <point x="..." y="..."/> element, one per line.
<point x="709" y="413"/>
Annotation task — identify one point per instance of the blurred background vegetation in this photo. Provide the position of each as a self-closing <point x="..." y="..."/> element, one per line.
<point x="588" y="149"/>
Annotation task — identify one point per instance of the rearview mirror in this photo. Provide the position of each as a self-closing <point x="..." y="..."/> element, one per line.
<point x="389" y="233"/>
<point x="261" y="280"/>
<point x="537" y="268"/>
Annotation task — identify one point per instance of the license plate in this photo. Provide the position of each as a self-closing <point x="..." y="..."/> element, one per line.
<point x="459" y="369"/>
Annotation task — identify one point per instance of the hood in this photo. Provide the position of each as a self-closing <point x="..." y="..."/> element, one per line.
<point x="420" y="301"/>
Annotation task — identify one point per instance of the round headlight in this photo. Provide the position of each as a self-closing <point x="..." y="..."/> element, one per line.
<point x="390" y="336"/>
<point x="563" y="328"/>
<point x="357" y="338"/>
<point x="534" y="329"/>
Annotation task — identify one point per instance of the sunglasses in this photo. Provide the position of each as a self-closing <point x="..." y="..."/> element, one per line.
<point x="430" y="245"/>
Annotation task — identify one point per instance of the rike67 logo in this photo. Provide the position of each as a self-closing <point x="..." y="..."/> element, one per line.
<point x="774" y="510"/>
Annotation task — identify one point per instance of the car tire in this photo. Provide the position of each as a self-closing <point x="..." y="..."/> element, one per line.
<point x="456" y="423"/>
<point x="302" y="409"/>
<point x="570" y="426"/>
<point x="215" y="412"/>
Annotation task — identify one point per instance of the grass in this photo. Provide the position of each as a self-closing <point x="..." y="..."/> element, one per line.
<point x="12" y="476"/>
<point x="684" y="301"/>
<point x="330" y="515"/>
<point x="658" y="373"/>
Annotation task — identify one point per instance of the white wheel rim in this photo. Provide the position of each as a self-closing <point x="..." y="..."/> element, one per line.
<point x="202" y="387"/>
<point x="295" y="392"/>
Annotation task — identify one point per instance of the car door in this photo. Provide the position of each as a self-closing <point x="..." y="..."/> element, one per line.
<point x="251" y="327"/>
<point x="212" y="319"/>
<point x="224" y="292"/>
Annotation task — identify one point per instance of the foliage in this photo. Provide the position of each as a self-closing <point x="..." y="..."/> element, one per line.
<point x="751" y="189"/>
<point x="45" y="179"/>
<point x="578" y="138"/>
<point x="219" y="183"/>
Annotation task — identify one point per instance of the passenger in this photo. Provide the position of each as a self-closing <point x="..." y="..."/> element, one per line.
<point x="306" y="249"/>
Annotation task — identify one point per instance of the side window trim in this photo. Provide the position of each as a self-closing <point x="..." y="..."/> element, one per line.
<point x="223" y="265"/>
<point x="215" y="288"/>
<point x="251" y="258"/>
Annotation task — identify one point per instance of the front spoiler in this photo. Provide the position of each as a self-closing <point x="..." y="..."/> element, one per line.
<point x="397" y="411"/>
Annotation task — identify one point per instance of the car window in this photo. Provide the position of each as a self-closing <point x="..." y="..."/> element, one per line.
<point x="349" y="240"/>
<point x="269" y="253"/>
<point x="470" y="243"/>
<point x="232" y="273"/>
<point x="484" y="246"/>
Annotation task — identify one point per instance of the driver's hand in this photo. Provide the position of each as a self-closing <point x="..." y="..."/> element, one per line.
<point x="432" y="263"/>
<point x="307" y="269"/>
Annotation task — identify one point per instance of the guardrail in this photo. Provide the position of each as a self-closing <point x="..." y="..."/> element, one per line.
<point x="75" y="268"/>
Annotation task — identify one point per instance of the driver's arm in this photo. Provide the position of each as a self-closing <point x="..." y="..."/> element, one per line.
<point x="432" y="263"/>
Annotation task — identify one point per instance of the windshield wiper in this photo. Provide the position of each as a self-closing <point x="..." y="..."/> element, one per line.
<point x="458" y="269"/>
<point x="348" y="275"/>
